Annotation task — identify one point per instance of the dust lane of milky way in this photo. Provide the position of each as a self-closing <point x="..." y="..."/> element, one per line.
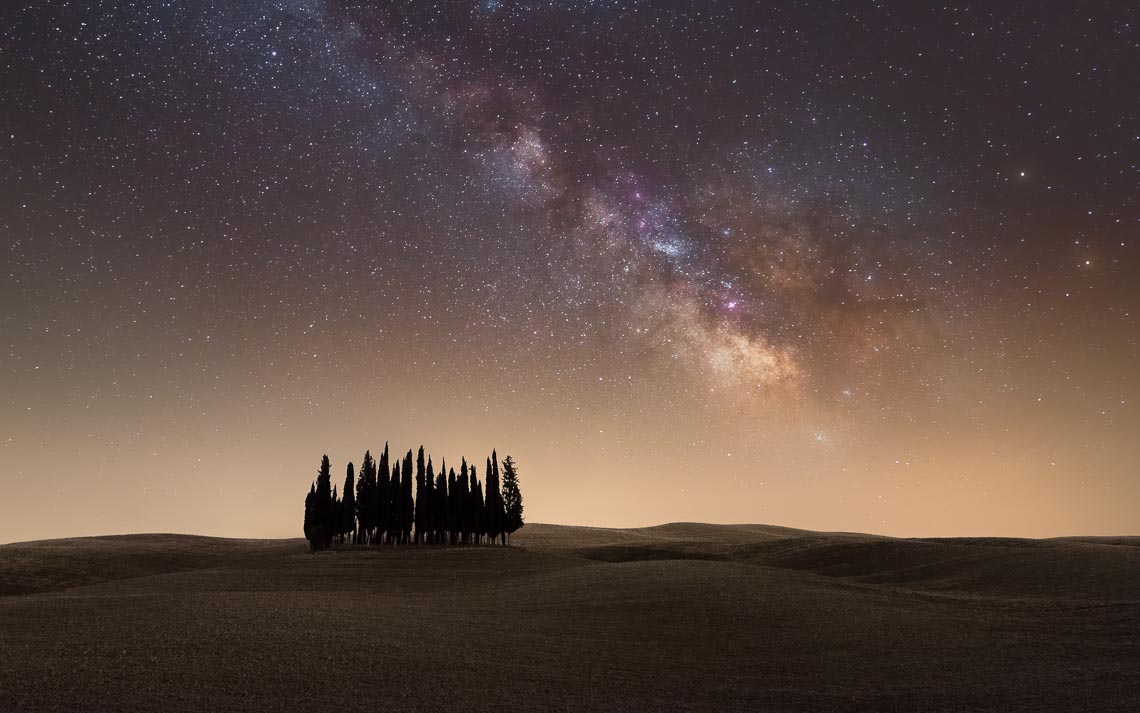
<point x="866" y="267"/>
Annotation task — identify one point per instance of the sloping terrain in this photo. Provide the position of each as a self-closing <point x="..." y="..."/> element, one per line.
<point x="677" y="617"/>
<point x="44" y="565"/>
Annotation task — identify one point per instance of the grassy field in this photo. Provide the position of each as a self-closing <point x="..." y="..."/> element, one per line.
<point x="676" y="617"/>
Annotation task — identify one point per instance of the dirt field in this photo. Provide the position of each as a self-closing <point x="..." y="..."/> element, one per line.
<point x="677" y="617"/>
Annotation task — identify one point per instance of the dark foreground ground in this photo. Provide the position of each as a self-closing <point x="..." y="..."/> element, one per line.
<point x="677" y="617"/>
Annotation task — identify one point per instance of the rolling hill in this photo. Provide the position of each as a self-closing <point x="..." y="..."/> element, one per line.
<point x="684" y="616"/>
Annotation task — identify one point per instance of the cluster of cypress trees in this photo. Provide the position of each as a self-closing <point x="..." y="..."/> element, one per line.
<point x="376" y="505"/>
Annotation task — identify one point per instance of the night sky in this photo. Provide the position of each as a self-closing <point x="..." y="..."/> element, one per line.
<point x="847" y="266"/>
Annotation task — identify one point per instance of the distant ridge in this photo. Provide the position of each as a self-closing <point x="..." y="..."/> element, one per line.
<point x="1086" y="568"/>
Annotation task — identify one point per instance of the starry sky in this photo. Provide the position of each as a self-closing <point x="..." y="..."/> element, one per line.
<point x="838" y="265"/>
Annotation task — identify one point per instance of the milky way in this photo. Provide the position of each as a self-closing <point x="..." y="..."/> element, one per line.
<point x="867" y="266"/>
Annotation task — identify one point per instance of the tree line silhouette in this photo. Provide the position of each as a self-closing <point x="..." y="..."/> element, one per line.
<point x="376" y="505"/>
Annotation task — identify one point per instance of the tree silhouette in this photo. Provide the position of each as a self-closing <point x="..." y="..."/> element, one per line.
<point x="441" y="504"/>
<point x="310" y="505"/>
<point x="428" y="504"/>
<point x="494" y="503"/>
<point x="379" y="505"/>
<point x="322" y="507"/>
<point x="332" y="519"/>
<point x="362" y="501"/>
<point x="366" y="499"/>
<point x="383" y="506"/>
<point x="471" y="510"/>
<point x="407" y="505"/>
<point x="455" y="512"/>
<point x="478" y="524"/>
<point x="394" y="502"/>
<point x="512" y="497"/>
<point x="464" y="503"/>
<point x="421" y="511"/>
<point x="395" y="495"/>
<point x="348" y="505"/>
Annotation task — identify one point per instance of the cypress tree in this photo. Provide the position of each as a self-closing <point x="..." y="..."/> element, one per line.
<point x="364" y="488"/>
<point x="469" y="513"/>
<point x="348" y="509"/>
<point x="500" y="516"/>
<point x="494" y="504"/>
<point x="332" y="519"/>
<point x="441" y="504"/>
<point x="396" y="497"/>
<point x="428" y="504"/>
<point x="454" y="512"/>
<point x="373" y="484"/>
<point x="383" y="509"/>
<point x="477" y="516"/>
<point x="420" y="511"/>
<point x="360" y="502"/>
<point x="490" y="524"/>
<point x="394" y="501"/>
<point x="310" y="504"/>
<point x="323" y="504"/>
<point x="464" y="503"/>
<point x="407" y="512"/>
<point x="512" y="497"/>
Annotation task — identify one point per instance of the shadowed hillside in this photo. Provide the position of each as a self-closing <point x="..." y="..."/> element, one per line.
<point x="682" y="617"/>
<point x="1095" y="568"/>
<point x="45" y="565"/>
